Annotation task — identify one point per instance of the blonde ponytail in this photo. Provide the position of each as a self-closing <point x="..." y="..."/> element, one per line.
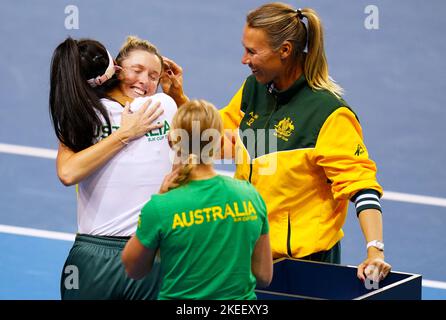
<point x="316" y="66"/>
<point x="195" y="116"/>
<point x="186" y="169"/>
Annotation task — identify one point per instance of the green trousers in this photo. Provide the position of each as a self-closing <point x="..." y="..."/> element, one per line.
<point x="330" y="256"/>
<point x="94" y="271"/>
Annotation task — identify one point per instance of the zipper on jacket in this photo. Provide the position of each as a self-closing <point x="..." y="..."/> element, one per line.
<point x="255" y="142"/>
<point x="288" y="240"/>
<point x="271" y="114"/>
<point x="250" y="172"/>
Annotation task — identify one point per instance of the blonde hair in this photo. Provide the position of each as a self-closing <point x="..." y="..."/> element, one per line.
<point x="283" y="23"/>
<point x="133" y="43"/>
<point x="184" y="127"/>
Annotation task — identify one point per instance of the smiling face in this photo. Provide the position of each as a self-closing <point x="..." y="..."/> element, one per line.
<point x="140" y="74"/>
<point x="264" y="62"/>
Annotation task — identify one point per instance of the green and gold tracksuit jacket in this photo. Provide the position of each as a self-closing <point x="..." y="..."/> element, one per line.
<point x="318" y="163"/>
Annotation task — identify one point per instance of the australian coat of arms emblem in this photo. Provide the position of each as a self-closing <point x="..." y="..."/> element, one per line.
<point x="284" y="129"/>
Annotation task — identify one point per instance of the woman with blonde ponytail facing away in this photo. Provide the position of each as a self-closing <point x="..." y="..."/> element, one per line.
<point x="212" y="231"/>
<point x="289" y="116"/>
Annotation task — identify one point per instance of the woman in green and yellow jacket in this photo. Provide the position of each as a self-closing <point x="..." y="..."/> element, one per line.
<point x="297" y="141"/>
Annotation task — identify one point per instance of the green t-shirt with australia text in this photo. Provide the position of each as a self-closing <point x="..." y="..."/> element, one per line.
<point x="206" y="231"/>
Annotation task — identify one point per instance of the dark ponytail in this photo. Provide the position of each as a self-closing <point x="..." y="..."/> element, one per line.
<point x="74" y="104"/>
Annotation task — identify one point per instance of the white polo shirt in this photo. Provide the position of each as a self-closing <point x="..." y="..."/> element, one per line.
<point x="110" y="199"/>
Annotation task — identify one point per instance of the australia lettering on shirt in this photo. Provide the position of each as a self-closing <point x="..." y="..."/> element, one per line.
<point x="235" y="211"/>
<point x="155" y="134"/>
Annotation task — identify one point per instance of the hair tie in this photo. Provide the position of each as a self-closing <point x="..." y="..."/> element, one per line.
<point x="299" y="14"/>
<point x="99" y="80"/>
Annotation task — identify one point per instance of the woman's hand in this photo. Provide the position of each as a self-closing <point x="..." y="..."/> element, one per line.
<point x="169" y="181"/>
<point x="374" y="267"/>
<point x="172" y="81"/>
<point x="137" y="124"/>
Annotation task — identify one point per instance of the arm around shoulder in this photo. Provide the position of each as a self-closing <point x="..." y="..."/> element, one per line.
<point x="73" y="167"/>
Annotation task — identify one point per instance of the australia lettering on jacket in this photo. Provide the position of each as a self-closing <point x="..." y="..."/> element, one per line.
<point x="235" y="211"/>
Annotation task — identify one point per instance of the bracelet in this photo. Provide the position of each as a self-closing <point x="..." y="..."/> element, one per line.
<point x="122" y="141"/>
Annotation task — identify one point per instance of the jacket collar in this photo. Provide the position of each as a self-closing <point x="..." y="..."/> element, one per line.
<point x="284" y="96"/>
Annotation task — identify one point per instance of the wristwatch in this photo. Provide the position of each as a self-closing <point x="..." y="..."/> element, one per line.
<point x="377" y="244"/>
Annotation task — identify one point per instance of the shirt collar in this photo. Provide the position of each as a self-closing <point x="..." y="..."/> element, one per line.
<point x="117" y="95"/>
